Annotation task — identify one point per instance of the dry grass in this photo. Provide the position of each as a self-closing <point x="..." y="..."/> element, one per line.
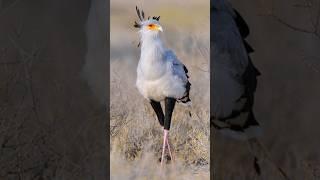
<point x="136" y="136"/>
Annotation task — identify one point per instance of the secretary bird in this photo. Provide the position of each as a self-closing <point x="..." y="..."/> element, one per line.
<point x="160" y="75"/>
<point x="234" y="81"/>
<point x="234" y="75"/>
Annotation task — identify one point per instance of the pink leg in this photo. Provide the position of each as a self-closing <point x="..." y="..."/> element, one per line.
<point x="169" y="150"/>
<point x="166" y="143"/>
<point x="165" y="135"/>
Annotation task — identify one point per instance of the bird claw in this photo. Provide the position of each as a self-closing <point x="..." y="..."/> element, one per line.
<point x="167" y="158"/>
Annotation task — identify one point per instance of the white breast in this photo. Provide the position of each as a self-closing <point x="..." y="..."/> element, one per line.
<point x="167" y="85"/>
<point x="159" y="72"/>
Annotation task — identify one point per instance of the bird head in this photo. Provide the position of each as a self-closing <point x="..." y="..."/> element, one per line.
<point x="148" y="27"/>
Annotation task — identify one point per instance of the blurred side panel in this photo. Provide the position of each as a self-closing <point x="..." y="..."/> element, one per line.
<point x="53" y="89"/>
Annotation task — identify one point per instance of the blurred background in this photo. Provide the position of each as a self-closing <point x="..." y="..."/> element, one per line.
<point x="136" y="135"/>
<point x="52" y="117"/>
<point x="285" y="36"/>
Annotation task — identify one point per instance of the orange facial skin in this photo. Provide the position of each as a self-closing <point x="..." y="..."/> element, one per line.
<point x="153" y="27"/>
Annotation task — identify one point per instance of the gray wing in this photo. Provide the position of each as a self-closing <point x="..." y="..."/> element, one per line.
<point x="179" y="69"/>
<point x="230" y="61"/>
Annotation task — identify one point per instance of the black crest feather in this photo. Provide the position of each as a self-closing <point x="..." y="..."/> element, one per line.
<point x="156" y="18"/>
<point x="136" y="25"/>
<point x="141" y="16"/>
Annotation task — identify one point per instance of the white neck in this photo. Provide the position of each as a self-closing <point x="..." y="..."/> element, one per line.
<point x="151" y="61"/>
<point x="152" y="48"/>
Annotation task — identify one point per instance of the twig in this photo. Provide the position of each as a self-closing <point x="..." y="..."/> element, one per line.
<point x="295" y="28"/>
<point x="10" y="63"/>
<point x="28" y="74"/>
<point x="3" y="11"/>
<point x="313" y="32"/>
<point x="254" y="142"/>
<point x="311" y="65"/>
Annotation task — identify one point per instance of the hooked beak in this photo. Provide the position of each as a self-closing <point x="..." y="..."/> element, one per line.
<point x="160" y="28"/>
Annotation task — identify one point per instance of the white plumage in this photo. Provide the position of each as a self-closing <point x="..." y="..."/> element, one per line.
<point x="159" y="74"/>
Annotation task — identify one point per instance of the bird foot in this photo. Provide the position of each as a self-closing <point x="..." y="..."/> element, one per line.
<point x="167" y="159"/>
